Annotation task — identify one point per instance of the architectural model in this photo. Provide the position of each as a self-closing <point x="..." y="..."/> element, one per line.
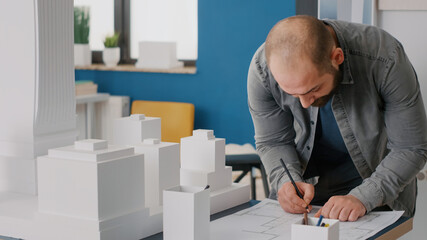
<point x="161" y="170"/>
<point x="36" y="88"/>
<point x="186" y="213"/>
<point x="161" y="160"/>
<point x="203" y="163"/>
<point x="38" y="106"/>
<point x="86" y="191"/>
<point x="54" y="188"/>
<point x="135" y="128"/>
<point x="97" y="189"/>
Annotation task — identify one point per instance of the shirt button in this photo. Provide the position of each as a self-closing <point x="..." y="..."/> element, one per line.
<point x="308" y="147"/>
<point x="312" y="122"/>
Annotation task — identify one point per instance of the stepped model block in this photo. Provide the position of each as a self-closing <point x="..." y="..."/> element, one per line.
<point x="91" y="180"/>
<point x="216" y="180"/>
<point x="135" y="128"/>
<point x="203" y="163"/>
<point x="203" y="144"/>
<point x="95" y="191"/>
<point x="161" y="163"/>
<point x="161" y="169"/>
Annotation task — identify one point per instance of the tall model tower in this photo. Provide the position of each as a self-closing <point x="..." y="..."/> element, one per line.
<point x="37" y="101"/>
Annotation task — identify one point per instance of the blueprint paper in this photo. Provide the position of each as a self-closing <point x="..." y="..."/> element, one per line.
<point x="267" y="221"/>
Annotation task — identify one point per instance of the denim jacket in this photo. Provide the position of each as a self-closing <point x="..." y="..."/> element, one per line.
<point x="378" y="108"/>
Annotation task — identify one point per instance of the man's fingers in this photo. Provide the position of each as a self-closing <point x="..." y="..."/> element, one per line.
<point x="326" y="209"/>
<point x="292" y="195"/>
<point x="354" y="215"/>
<point x="335" y="211"/>
<point x="344" y="214"/>
<point x="308" y="192"/>
<point x="298" y="201"/>
<point x="291" y="207"/>
<point x="286" y="203"/>
<point x="289" y="199"/>
<point x="297" y="205"/>
<point x="344" y="208"/>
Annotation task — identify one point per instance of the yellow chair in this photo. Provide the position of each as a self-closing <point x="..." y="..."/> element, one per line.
<point x="177" y="117"/>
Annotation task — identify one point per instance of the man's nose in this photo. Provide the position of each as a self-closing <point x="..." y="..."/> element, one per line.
<point x="306" y="100"/>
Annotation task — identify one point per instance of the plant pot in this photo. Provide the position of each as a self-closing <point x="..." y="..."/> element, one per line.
<point x="82" y="55"/>
<point x="111" y="56"/>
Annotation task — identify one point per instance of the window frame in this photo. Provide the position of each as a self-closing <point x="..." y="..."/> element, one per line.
<point x="122" y="25"/>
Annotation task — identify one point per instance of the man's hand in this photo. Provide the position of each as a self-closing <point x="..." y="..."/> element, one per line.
<point x="289" y="200"/>
<point x="344" y="208"/>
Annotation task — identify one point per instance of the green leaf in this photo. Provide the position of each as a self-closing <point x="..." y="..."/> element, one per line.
<point x="81" y="24"/>
<point x="112" y="41"/>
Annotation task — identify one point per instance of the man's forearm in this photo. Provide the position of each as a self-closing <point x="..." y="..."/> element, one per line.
<point x="271" y="155"/>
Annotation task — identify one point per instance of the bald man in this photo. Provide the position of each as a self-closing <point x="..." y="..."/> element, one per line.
<point x="340" y="103"/>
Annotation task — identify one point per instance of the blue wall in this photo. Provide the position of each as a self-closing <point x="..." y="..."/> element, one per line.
<point x="229" y="33"/>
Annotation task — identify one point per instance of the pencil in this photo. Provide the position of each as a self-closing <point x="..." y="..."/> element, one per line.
<point x="320" y="220"/>
<point x="296" y="189"/>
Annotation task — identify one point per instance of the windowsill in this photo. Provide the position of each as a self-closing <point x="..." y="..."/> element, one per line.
<point x="132" y="68"/>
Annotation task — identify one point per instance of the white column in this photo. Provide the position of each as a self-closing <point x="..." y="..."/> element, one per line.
<point x="36" y="86"/>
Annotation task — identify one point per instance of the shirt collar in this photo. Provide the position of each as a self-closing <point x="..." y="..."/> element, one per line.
<point x="345" y="66"/>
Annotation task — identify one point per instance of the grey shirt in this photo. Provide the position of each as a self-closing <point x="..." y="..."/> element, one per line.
<point x="378" y="109"/>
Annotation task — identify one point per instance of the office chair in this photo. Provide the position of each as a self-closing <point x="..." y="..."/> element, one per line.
<point x="177" y="117"/>
<point x="244" y="158"/>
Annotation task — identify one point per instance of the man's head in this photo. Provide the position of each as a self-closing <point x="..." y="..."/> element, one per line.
<point x="304" y="59"/>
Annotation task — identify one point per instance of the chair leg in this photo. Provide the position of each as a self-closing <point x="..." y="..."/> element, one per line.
<point x="242" y="175"/>
<point x="265" y="181"/>
<point x="253" y="183"/>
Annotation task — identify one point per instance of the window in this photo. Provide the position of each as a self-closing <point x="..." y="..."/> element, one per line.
<point x="165" y="20"/>
<point x="143" y="20"/>
<point x="101" y="21"/>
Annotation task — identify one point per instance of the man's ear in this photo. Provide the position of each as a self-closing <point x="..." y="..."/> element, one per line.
<point x="337" y="57"/>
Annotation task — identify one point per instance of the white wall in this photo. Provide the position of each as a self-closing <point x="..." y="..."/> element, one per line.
<point x="409" y="28"/>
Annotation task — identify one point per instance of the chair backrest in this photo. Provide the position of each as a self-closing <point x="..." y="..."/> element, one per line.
<point x="177" y="117"/>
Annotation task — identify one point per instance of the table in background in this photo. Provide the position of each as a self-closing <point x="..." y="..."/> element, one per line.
<point x="90" y="101"/>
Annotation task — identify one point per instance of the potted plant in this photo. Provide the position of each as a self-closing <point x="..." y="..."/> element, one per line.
<point x="82" y="52"/>
<point x="111" y="53"/>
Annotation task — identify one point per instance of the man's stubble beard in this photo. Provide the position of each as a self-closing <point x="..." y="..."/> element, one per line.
<point x="322" y="101"/>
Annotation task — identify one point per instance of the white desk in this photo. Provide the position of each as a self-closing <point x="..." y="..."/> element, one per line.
<point x="90" y="101"/>
<point x="392" y="232"/>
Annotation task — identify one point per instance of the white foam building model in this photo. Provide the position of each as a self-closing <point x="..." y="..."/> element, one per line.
<point x="162" y="165"/>
<point x="92" y="190"/>
<point x="37" y="101"/>
<point x="203" y="163"/>
<point x="88" y="190"/>
<point x="161" y="170"/>
<point x="135" y="128"/>
<point x="36" y="88"/>
<point x="186" y="213"/>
